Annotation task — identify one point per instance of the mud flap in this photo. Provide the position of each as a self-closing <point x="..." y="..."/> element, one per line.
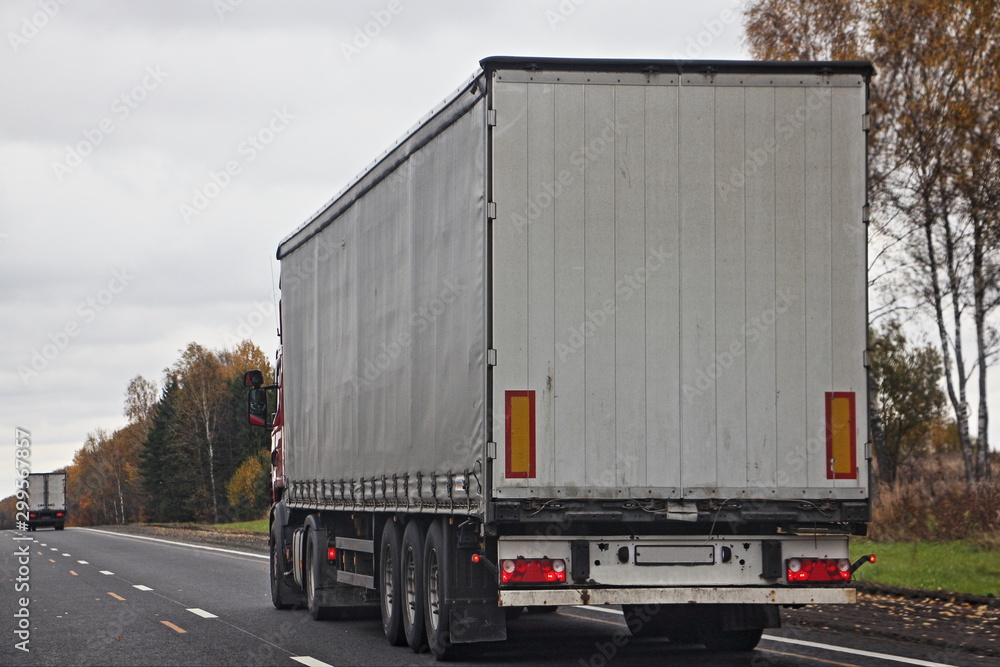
<point x="477" y="622"/>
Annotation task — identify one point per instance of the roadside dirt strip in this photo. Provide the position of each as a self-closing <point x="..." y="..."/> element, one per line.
<point x="963" y="623"/>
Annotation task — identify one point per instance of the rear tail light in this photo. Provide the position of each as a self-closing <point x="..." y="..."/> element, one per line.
<point x="59" y="514"/>
<point x="818" y="569"/>
<point x="533" y="571"/>
<point x="331" y="554"/>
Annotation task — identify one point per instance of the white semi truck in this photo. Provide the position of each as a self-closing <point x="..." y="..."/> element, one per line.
<point x="592" y="333"/>
<point x="47" y="500"/>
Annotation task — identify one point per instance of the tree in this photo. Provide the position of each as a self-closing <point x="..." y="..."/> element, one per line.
<point x="910" y="398"/>
<point x="934" y="146"/>
<point x="249" y="488"/>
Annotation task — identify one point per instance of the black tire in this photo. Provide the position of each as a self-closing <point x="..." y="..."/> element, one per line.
<point x="310" y="575"/>
<point x="59" y="526"/>
<point x="283" y="596"/>
<point x="540" y="609"/>
<point x="411" y="567"/>
<point x="436" y="608"/>
<point x="513" y="613"/>
<point x="389" y="583"/>
<point x="646" y="620"/>
<point x="733" y="640"/>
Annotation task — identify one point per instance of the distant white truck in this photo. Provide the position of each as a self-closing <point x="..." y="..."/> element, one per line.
<point x="594" y="332"/>
<point x="46" y="500"/>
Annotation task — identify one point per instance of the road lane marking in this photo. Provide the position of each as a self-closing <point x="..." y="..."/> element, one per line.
<point x="800" y="642"/>
<point x="310" y="662"/>
<point x="202" y="613"/>
<point x="809" y="658"/>
<point x="117" y="597"/>
<point x="179" y="544"/>
<point x="141" y="587"/>
<point x="51" y="548"/>
<point x="51" y="561"/>
<point x="74" y="573"/>
<point x="174" y="627"/>
<point x="590" y="618"/>
<point x="854" y="651"/>
<point x="67" y="555"/>
<point x="106" y="572"/>
<point x="606" y="610"/>
<point x="83" y="562"/>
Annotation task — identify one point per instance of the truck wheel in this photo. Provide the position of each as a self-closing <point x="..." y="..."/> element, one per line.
<point x="283" y="596"/>
<point x="732" y="640"/>
<point x="646" y="620"/>
<point x="412" y="565"/>
<point x="311" y="573"/>
<point x="389" y="585"/>
<point x="436" y="608"/>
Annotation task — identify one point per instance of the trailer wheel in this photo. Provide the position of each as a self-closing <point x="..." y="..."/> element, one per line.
<point x="436" y="611"/>
<point x="311" y="574"/>
<point x="731" y="640"/>
<point x="283" y="596"/>
<point x="412" y="566"/>
<point x="390" y="588"/>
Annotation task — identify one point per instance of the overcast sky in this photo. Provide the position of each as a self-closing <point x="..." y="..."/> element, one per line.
<point x="153" y="154"/>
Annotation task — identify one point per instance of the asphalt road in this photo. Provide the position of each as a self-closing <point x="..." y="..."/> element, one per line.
<point x="100" y="598"/>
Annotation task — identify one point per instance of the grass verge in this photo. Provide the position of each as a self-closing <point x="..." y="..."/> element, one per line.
<point x="956" y="566"/>
<point x="258" y="526"/>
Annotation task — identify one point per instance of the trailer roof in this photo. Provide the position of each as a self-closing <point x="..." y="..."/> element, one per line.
<point x="861" y="67"/>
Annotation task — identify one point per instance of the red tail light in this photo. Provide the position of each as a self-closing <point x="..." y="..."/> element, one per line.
<point x="59" y="513"/>
<point x="818" y="569"/>
<point x="533" y="571"/>
<point x="331" y="554"/>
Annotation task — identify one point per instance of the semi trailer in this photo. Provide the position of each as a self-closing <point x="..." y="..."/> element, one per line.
<point x="47" y="500"/>
<point x="592" y="333"/>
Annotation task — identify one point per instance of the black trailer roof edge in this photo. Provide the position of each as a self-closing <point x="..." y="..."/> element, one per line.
<point x="652" y="66"/>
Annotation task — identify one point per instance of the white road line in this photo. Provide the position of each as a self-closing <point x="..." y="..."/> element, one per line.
<point x="180" y="544"/>
<point x="854" y="651"/>
<point x="202" y="613"/>
<point x="51" y="548"/>
<point x="67" y="555"/>
<point x="106" y="572"/>
<point x="310" y="662"/>
<point x="141" y="587"/>
<point x="83" y="562"/>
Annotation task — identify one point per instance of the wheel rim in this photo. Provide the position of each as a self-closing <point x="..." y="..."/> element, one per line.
<point x="433" y="599"/>
<point x="410" y="574"/>
<point x="310" y="582"/>
<point x="388" y="593"/>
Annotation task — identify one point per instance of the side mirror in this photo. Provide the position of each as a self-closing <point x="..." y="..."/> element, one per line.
<point x="257" y="406"/>
<point x="253" y="379"/>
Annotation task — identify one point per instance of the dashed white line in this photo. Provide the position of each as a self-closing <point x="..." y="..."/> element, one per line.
<point x="83" y="562"/>
<point x="67" y="555"/>
<point x="854" y="651"/>
<point x="202" y="613"/>
<point x="310" y="662"/>
<point x="106" y="572"/>
<point x="141" y="587"/>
